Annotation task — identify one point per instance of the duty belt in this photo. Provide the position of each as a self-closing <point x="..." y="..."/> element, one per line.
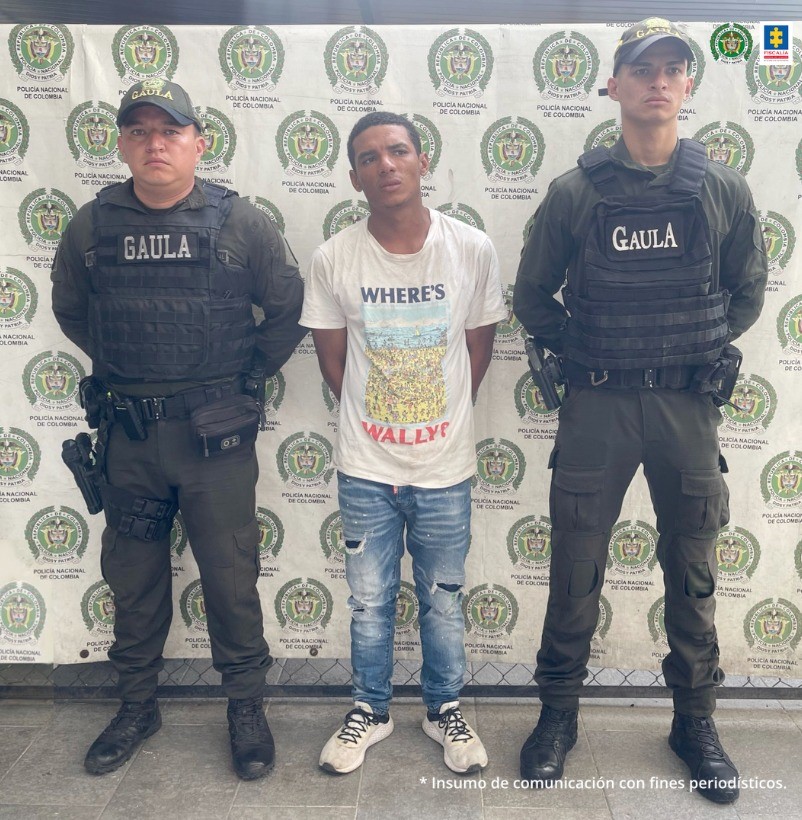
<point x="676" y="377"/>
<point x="153" y="408"/>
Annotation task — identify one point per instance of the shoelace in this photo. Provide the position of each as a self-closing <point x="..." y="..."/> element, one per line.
<point x="454" y="725"/>
<point x="127" y="716"/>
<point x="249" y="720"/>
<point x="551" y="730"/>
<point x="355" y="725"/>
<point x="707" y="737"/>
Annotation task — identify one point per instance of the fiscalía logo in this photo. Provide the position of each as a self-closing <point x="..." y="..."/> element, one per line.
<point x="462" y="212"/>
<point x="512" y="150"/>
<point x="500" y="466"/>
<point x="605" y="619"/>
<point x="308" y="144"/>
<point x="566" y="66"/>
<point x="728" y="144"/>
<point x="789" y="325"/>
<point x="407" y="609"/>
<point x="356" y="60"/>
<point x="251" y="58"/>
<point x="343" y="215"/>
<point x="43" y="216"/>
<point x="633" y="548"/>
<point x="51" y="380"/>
<point x="606" y="134"/>
<point x="529" y="542"/>
<point x="776" y="42"/>
<point x="529" y="401"/>
<point x="141" y="52"/>
<point x="509" y="330"/>
<point x="178" y="536"/>
<point x="41" y="52"/>
<point x="779" y="239"/>
<point x="57" y="535"/>
<point x="430" y="139"/>
<point x="755" y="403"/>
<point x="777" y="82"/>
<point x="220" y="138"/>
<point x="92" y="135"/>
<point x="731" y="43"/>
<point x="271" y="533"/>
<point x="20" y="457"/>
<point x="460" y="63"/>
<point x="303" y="605"/>
<point x="305" y="460"/>
<point x="270" y="210"/>
<point x="98" y="609"/>
<point x="193" y="607"/>
<point x="490" y="611"/>
<point x="781" y="480"/>
<point x="14" y="134"/>
<point x="657" y="621"/>
<point x="773" y="626"/>
<point x="737" y="554"/>
<point x="332" y="541"/>
<point x="18" y="299"/>
<point x="22" y="613"/>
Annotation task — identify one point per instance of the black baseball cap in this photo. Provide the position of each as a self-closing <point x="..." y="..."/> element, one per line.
<point x="168" y="96"/>
<point x="636" y="39"/>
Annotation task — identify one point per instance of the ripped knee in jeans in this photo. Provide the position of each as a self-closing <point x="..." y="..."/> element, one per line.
<point x="355" y="546"/>
<point x="446" y="597"/>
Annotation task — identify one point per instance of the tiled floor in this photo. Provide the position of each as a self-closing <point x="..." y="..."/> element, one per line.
<point x="184" y="770"/>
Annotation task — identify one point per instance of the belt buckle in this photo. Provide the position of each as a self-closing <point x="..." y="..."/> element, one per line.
<point x="650" y="377"/>
<point x="153" y="408"/>
<point x="596" y="382"/>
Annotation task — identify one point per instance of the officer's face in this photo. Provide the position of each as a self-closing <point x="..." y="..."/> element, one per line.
<point x="161" y="154"/>
<point x="652" y="90"/>
<point x="388" y="170"/>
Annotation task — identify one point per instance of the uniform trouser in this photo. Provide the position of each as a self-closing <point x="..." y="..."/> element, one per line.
<point x="603" y="436"/>
<point x="216" y="497"/>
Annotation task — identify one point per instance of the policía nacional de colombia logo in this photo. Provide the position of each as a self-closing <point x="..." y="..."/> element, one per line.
<point x="269" y="209"/>
<point x="696" y="69"/>
<point x="781" y="480"/>
<point x="22" y="613"/>
<point x="789" y="325"/>
<point x="657" y="621"/>
<point x="303" y="605"/>
<point x="799" y="160"/>
<point x="18" y="299"/>
<point x="98" y="609"/>
<point x="605" y="134"/>
<point x="193" y="607"/>
<point x="308" y="144"/>
<point x="332" y="541"/>
<point x="330" y="400"/>
<point x="565" y="66"/>
<point x="57" y="535"/>
<point x="305" y="460"/>
<point x="490" y="611"/>
<point x="430" y="139"/>
<point x="460" y="63"/>
<point x="92" y="135"/>
<point x="731" y="43"/>
<point x="41" y="52"/>
<point x="407" y="609"/>
<point x="275" y="388"/>
<point x="141" y="52"/>
<point x="512" y="150"/>
<point x="728" y="144"/>
<point x="633" y="548"/>
<point x="43" y="216"/>
<point x="776" y="83"/>
<point x="779" y="239"/>
<point x="20" y="457"/>
<point x="500" y="466"/>
<point x="755" y="403"/>
<point x="356" y="60"/>
<point x="509" y="330"/>
<point x="529" y="401"/>
<point x="271" y="533"/>
<point x="343" y="215"/>
<point x="220" y="138"/>
<point x="605" y="619"/>
<point x="51" y="380"/>
<point x="462" y="212"/>
<point x="178" y="536"/>
<point x="773" y="626"/>
<point x="737" y="554"/>
<point x="251" y="58"/>
<point x="529" y="542"/>
<point x="14" y="134"/>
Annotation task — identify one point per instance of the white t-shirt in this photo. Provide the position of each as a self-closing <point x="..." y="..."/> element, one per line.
<point x="405" y="412"/>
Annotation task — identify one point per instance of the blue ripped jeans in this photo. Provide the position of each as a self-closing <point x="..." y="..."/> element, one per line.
<point x="438" y="525"/>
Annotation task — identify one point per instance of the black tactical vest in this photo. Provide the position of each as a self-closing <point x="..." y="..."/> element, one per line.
<point x="164" y="305"/>
<point x="644" y="296"/>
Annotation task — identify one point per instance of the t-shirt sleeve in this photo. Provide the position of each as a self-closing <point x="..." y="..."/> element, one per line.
<point x="322" y="308"/>
<point x="487" y="305"/>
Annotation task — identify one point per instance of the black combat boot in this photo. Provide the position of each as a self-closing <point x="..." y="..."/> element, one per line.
<point x="251" y="742"/>
<point x="695" y="741"/>
<point x="128" y="728"/>
<point x="545" y="750"/>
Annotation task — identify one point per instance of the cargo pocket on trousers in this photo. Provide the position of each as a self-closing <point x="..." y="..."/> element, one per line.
<point x="575" y="503"/>
<point x="703" y="507"/>
<point x="246" y="558"/>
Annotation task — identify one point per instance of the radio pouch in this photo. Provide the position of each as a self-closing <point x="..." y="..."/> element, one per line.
<point x="226" y="425"/>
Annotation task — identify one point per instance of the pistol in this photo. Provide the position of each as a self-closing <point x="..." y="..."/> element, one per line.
<point x="546" y="373"/>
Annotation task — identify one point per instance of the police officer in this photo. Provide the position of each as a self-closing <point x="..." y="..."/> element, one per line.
<point x="155" y="281"/>
<point x="665" y="267"/>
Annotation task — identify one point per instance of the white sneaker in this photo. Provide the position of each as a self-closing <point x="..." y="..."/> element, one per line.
<point x="463" y="752"/>
<point x="346" y="748"/>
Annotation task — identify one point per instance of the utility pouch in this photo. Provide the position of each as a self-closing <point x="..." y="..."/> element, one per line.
<point x="229" y="424"/>
<point x="91" y="398"/>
